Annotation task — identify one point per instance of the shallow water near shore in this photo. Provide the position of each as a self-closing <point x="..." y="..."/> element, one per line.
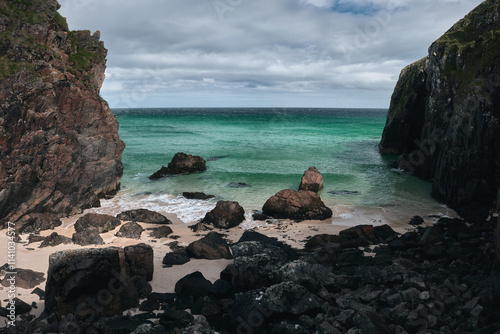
<point x="253" y="153"/>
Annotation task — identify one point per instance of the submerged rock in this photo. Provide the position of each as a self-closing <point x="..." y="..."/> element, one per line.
<point x="197" y="195"/>
<point x="181" y="163"/>
<point x="296" y="205"/>
<point x="311" y="180"/>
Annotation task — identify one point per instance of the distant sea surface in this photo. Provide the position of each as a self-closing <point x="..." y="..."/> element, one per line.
<point x="252" y="154"/>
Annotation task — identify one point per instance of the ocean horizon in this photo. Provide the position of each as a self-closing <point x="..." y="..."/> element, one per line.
<point x="252" y="153"/>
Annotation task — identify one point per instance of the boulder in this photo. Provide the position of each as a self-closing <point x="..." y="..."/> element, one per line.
<point x="89" y="283"/>
<point x="160" y="232"/>
<point x="226" y="214"/>
<point x="36" y="222"/>
<point x="195" y="285"/>
<point x="175" y="258"/>
<point x="181" y="163"/>
<point x="25" y="278"/>
<point x="143" y="216"/>
<point x="311" y="180"/>
<point x="139" y="261"/>
<point x="55" y="239"/>
<point x="96" y="222"/>
<point x="130" y="230"/>
<point x="197" y="195"/>
<point x="297" y="205"/>
<point x="210" y="247"/>
<point x="88" y="237"/>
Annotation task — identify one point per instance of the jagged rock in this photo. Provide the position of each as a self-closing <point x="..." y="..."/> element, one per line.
<point x="161" y="232"/>
<point x="55" y="239"/>
<point x="311" y="180"/>
<point x="264" y="239"/>
<point x="87" y="237"/>
<point x="444" y="113"/>
<point x="181" y="163"/>
<point x="36" y="222"/>
<point x="312" y="276"/>
<point x="175" y="258"/>
<point x="130" y="230"/>
<point x="210" y="247"/>
<point x="62" y="149"/>
<point x="296" y="205"/>
<point x="197" y="195"/>
<point x="226" y="214"/>
<point x="143" y="216"/>
<point x="139" y="261"/>
<point x="97" y="223"/>
<point x="89" y="283"/>
<point x="25" y="278"/>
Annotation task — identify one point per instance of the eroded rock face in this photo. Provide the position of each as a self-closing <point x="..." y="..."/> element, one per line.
<point x="59" y="145"/>
<point x="445" y="111"/>
<point x="311" y="180"/>
<point x="297" y="205"/>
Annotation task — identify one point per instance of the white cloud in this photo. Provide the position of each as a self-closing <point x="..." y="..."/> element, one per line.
<point x="281" y="52"/>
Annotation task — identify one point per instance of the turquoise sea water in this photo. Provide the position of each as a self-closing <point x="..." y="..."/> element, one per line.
<point x="268" y="150"/>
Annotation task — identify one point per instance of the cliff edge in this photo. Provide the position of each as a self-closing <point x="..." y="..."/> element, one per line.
<point x="59" y="145"/>
<point x="443" y="120"/>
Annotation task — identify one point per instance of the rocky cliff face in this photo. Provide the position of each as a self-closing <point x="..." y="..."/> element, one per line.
<point x="445" y="111"/>
<point x="59" y="145"/>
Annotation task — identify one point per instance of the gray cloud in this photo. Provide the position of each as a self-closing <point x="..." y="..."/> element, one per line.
<point x="319" y="53"/>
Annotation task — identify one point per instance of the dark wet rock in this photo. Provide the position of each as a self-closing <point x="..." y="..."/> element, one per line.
<point x="312" y="276"/>
<point x="226" y="214"/>
<point x="143" y="216"/>
<point x="21" y="306"/>
<point x="78" y="281"/>
<point x="118" y="324"/>
<point x="171" y="319"/>
<point x="142" y="286"/>
<point x="265" y="240"/>
<point x="370" y="323"/>
<point x="416" y="221"/>
<point x="344" y="192"/>
<point x="175" y="258"/>
<point x="39" y="292"/>
<point x="87" y="237"/>
<point x="97" y="223"/>
<point x="290" y="298"/>
<point x="195" y="285"/>
<point x="210" y="247"/>
<point x="25" y="278"/>
<point x="181" y="163"/>
<point x="139" y="261"/>
<point x="296" y="205"/>
<point x="199" y="326"/>
<point x="260" y="217"/>
<point x="200" y="227"/>
<point x="197" y="195"/>
<point x="160" y="232"/>
<point x="361" y="235"/>
<point x="238" y="185"/>
<point x="311" y="180"/>
<point x="430" y="236"/>
<point x="130" y="230"/>
<point x="55" y="239"/>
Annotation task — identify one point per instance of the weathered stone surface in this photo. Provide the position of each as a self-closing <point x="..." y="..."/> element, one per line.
<point x="96" y="222"/>
<point x="139" y="261"/>
<point x="36" y="222"/>
<point x="25" y="278"/>
<point x="87" y="237"/>
<point x="60" y="150"/>
<point x="160" y="232"/>
<point x="297" y="205"/>
<point x="181" y="163"/>
<point x="89" y="283"/>
<point x="143" y="216"/>
<point x="226" y="214"/>
<point x="55" y="239"/>
<point x="311" y="180"/>
<point x="444" y="115"/>
<point x="130" y="230"/>
<point x="210" y="247"/>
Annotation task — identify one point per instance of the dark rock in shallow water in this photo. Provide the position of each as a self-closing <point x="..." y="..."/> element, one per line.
<point x="143" y="216"/>
<point x="344" y="192"/>
<point x="25" y="278"/>
<point x="311" y="180"/>
<point x="238" y="185"/>
<point x="260" y="217"/>
<point x="130" y="230"/>
<point x="217" y="158"/>
<point x="55" y="239"/>
<point x="226" y="214"/>
<point x="175" y="258"/>
<point x="96" y="222"/>
<point x="210" y="247"/>
<point x="197" y="195"/>
<point x="296" y="205"/>
<point x="181" y="163"/>
<point x="160" y="232"/>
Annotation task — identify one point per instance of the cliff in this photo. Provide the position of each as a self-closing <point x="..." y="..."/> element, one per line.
<point x="444" y="115"/>
<point x="59" y="145"/>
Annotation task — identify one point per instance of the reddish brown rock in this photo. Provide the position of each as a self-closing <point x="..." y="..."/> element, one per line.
<point x="296" y="205"/>
<point x="181" y="163"/>
<point x="59" y="145"/>
<point x="226" y="214"/>
<point x="311" y="180"/>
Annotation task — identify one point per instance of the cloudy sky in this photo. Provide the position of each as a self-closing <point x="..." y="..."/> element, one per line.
<point x="260" y="53"/>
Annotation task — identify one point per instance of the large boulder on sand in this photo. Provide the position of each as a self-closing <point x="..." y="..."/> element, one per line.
<point x="296" y="205"/>
<point x="210" y="247"/>
<point x="96" y="222"/>
<point x="311" y="180"/>
<point x="143" y="216"/>
<point x="181" y="163"/>
<point x="226" y="214"/>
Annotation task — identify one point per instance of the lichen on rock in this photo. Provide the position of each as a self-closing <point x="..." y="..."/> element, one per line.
<point x="59" y="145"/>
